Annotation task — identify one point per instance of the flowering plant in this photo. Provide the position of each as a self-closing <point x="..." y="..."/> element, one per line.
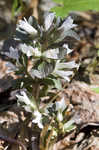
<point x="40" y="62"/>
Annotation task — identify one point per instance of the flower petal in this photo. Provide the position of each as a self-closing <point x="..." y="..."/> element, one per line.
<point x="69" y="65"/>
<point x="63" y="74"/>
<point x="13" y="53"/>
<point x="29" y="50"/>
<point x="67" y="48"/>
<point x="64" y="29"/>
<point x="67" y="24"/>
<point x="52" y="53"/>
<point x="38" y="119"/>
<point x="59" y="116"/>
<point x="24" y="25"/>
<point x="60" y="105"/>
<point x="24" y="98"/>
<point x="48" y="20"/>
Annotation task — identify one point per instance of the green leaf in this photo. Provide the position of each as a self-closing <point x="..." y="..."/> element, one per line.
<point x="57" y="83"/>
<point x="14" y="6"/>
<point x="70" y="128"/>
<point x="98" y="52"/>
<point x="17" y="7"/>
<point x="96" y="90"/>
<point x="74" y="5"/>
<point x="42" y="70"/>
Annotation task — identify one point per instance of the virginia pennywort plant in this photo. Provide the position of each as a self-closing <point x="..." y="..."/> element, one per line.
<point x="40" y="62"/>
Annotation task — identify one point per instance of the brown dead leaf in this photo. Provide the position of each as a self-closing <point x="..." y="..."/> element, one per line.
<point x="85" y="102"/>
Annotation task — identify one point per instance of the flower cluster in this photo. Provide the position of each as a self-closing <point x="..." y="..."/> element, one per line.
<point x="56" y="110"/>
<point x="41" y="45"/>
<point x="40" y="61"/>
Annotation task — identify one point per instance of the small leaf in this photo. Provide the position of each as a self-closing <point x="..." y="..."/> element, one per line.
<point x="58" y="84"/>
<point x="68" y="126"/>
<point x="42" y="70"/>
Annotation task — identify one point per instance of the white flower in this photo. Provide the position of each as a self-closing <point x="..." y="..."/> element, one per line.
<point x="66" y="29"/>
<point x="68" y="65"/>
<point x="67" y="24"/>
<point x="37" y="52"/>
<point x="62" y="73"/>
<point x="57" y="53"/>
<point x="52" y="53"/>
<point x="23" y="24"/>
<point x="13" y="53"/>
<point x="29" y="50"/>
<point x="59" y="116"/>
<point x="68" y="49"/>
<point x="38" y="119"/>
<point x="24" y="98"/>
<point x="60" y="105"/>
